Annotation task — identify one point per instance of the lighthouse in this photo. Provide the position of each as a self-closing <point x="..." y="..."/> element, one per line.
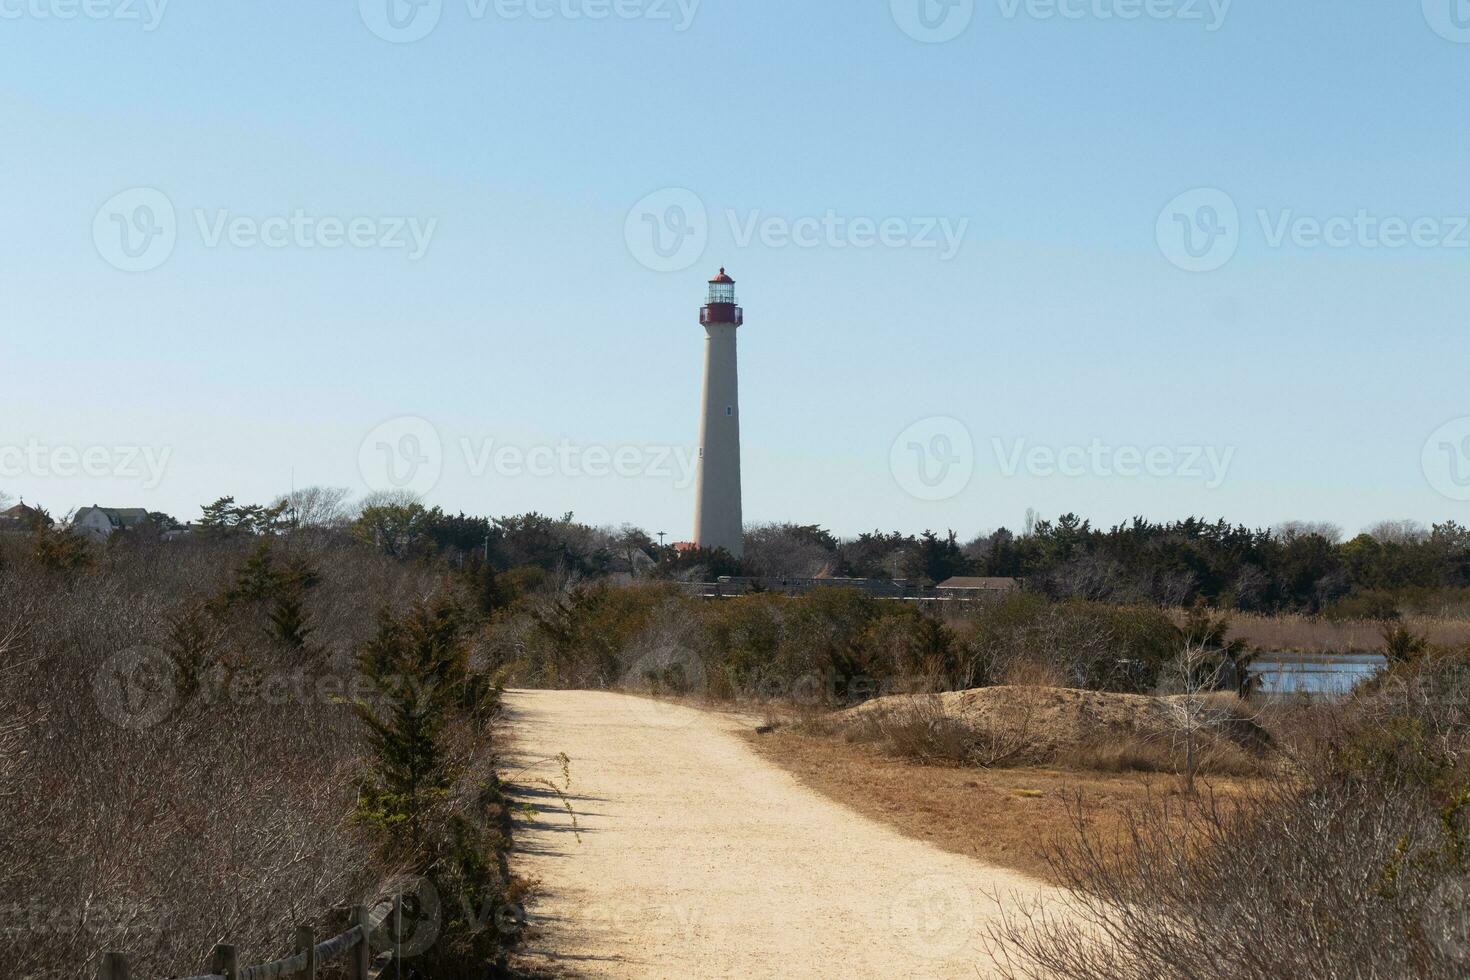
<point x="717" y="519"/>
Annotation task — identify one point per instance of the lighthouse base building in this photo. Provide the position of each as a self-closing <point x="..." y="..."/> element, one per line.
<point x="718" y="522"/>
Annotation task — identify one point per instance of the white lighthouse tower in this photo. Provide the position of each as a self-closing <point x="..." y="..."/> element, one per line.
<point x="717" y="518"/>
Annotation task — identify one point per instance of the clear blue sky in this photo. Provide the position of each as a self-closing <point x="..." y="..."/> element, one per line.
<point x="529" y="320"/>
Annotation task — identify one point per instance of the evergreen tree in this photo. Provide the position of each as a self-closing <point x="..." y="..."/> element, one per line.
<point x="418" y="667"/>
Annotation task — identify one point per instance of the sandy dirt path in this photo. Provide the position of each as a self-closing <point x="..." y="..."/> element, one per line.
<point x="697" y="859"/>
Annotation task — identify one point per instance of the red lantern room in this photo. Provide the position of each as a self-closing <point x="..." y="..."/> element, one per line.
<point x="721" y="308"/>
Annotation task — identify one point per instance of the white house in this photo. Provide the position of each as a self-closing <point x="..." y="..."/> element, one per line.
<point x="98" y="523"/>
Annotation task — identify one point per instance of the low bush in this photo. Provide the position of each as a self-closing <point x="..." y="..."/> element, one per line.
<point x="922" y="730"/>
<point x="1083" y="644"/>
<point x="1355" y="866"/>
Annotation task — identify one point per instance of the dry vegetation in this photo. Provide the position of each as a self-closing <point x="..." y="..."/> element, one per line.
<point x="1353" y="865"/>
<point x="1326" y="840"/>
<point x="1006" y="817"/>
<point x="177" y="771"/>
<point x="1294" y="633"/>
<point x="1057" y="727"/>
<point x="998" y="773"/>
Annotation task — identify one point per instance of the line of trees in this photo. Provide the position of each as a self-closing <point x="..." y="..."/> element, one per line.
<point x="1296" y="567"/>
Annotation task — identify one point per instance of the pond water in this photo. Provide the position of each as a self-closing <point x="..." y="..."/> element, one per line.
<point x="1313" y="675"/>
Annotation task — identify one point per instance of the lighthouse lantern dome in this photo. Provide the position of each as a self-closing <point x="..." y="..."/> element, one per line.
<point x="722" y="289"/>
<point x="721" y="306"/>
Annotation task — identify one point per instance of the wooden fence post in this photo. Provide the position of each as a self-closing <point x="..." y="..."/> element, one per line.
<point x="114" y="967"/>
<point x="306" y="943"/>
<point x="362" y="953"/>
<point x="398" y="927"/>
<point x="224" y="961"/>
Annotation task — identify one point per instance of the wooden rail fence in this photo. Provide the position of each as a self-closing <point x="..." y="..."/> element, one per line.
<point x="310" y="955"/>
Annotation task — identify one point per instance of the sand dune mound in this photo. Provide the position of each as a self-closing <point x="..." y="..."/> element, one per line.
<point x="1046" y="725"/>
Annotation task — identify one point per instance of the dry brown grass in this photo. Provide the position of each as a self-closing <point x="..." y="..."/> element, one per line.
<point x="1004" y="817"/>
<point x="1292" y="633"/>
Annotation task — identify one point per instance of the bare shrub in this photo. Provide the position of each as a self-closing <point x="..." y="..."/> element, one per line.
<point x="788" y="551"/>
<point x="923" y="728"/>
<point x="1214" y="757"/>
<point x="925" y="732"/>
<point x="1354" y="866"/>
<point x="1196" y="718"/>
<point x="157" y="821"/>
<point x="1080" y="644"/>
<point x="1338" y="883"/>
<point x="1025" y="672"/>
<point x="920" y="729"/>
